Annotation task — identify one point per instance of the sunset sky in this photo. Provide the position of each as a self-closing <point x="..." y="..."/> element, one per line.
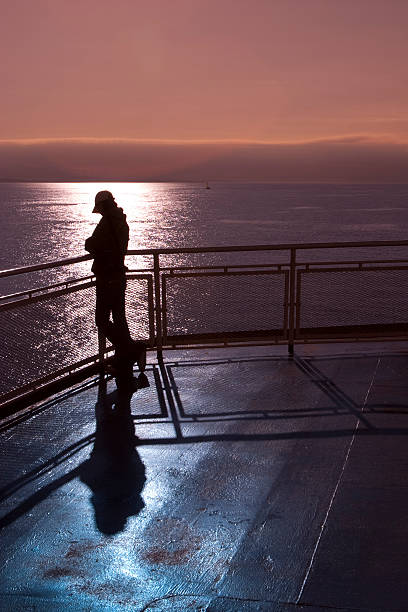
<point x="175" y="89"/>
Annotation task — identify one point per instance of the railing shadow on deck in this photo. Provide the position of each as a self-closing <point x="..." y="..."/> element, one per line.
<point x="114" y="471"/>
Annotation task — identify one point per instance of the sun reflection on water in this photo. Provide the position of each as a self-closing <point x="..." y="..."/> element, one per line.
<point x="139" y="203"/>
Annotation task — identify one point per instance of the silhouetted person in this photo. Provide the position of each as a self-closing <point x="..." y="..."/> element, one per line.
<point x="108" y="245"/>
<point x="114" y="472"/>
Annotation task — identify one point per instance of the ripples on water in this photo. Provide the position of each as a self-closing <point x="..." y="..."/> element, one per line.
<point x="50" y="221"/>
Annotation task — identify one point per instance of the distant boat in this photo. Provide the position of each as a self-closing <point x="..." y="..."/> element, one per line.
<point x="207" y="186"/>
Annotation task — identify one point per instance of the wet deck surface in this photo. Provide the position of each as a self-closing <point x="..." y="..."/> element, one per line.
<point x="254" y="483"/>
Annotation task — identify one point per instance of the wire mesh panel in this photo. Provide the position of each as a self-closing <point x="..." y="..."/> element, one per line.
<point x="347" y="298"/>
<point x="56" y="330"/>
<point x="139" y="307"/>
<point x="46" y="334"/>
<point x="224" y="304"/>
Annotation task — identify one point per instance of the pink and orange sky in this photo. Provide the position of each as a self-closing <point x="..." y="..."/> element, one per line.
<point x="204" y="89"/>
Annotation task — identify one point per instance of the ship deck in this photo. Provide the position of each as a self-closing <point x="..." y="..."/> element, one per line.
<point x="239" y="480"/>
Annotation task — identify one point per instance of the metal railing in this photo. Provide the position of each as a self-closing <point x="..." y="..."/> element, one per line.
<point x="206" y="297"/>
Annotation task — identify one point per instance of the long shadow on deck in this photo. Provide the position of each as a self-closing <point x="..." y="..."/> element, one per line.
<point x="114" y="471"/>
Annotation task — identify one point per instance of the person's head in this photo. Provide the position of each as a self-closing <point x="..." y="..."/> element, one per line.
<point x="102" y="200"/>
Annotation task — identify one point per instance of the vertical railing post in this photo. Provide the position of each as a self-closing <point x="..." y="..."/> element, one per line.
<point x="158" y="309"/>
<point x="292" y="294"/>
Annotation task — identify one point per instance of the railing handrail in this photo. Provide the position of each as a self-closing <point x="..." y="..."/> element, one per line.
<point x="269" y="247"/>
<point x="44" y="266"/>
<point x="212" y="249"/>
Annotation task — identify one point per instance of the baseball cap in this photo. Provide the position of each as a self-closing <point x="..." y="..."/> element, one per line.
<point x="101" y="196"/>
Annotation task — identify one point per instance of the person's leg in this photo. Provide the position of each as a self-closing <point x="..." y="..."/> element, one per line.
<point x="127" y="349"/>
<point x="103" y="310"/>
<point x="105" y="304"/>
<point x="123" y="337"/>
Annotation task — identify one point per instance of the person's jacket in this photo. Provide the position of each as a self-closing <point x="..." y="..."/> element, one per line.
<point x="108" y="244"/>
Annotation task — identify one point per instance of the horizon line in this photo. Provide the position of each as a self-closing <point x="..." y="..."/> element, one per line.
<point x="209" y="181"/>
<point x="352" y="138"/>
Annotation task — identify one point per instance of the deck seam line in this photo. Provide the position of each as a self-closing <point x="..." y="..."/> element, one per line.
<point x="336" y="487"/>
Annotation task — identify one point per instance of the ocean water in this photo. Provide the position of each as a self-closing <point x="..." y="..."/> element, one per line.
<point x="43" y="222"/>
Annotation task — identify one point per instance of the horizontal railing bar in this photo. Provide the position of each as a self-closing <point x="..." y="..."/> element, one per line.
<point x="44" y="296"/>
<point x="226" y="273"/>
<point x="213" y="249"/>
<point x="348" y="339"/>
<point x="188" y="268"/>
<point x="226" y="344"/>
<point x="344" y="269"/>
<point x="44" y="266"/>
<point x="270" y="247"/>
<point x="132" y="274"/>
<point x="29" y="292"/>
<point x="221" y="267"/>
<point x="359" y="262"/>
<point x="347" y="261"/>
<point x="281" y="265"/>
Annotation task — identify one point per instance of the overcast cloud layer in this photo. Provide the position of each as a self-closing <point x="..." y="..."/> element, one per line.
<point x="346" y="160"/>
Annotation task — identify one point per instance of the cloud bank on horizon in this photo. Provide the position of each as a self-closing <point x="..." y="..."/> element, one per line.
<point x="354" y="159"/>
<point x="308" y="75"/>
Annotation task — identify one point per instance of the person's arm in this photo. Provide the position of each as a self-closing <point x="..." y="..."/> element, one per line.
<point x="99" y="241"/>
<point x="89" y="245"/>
